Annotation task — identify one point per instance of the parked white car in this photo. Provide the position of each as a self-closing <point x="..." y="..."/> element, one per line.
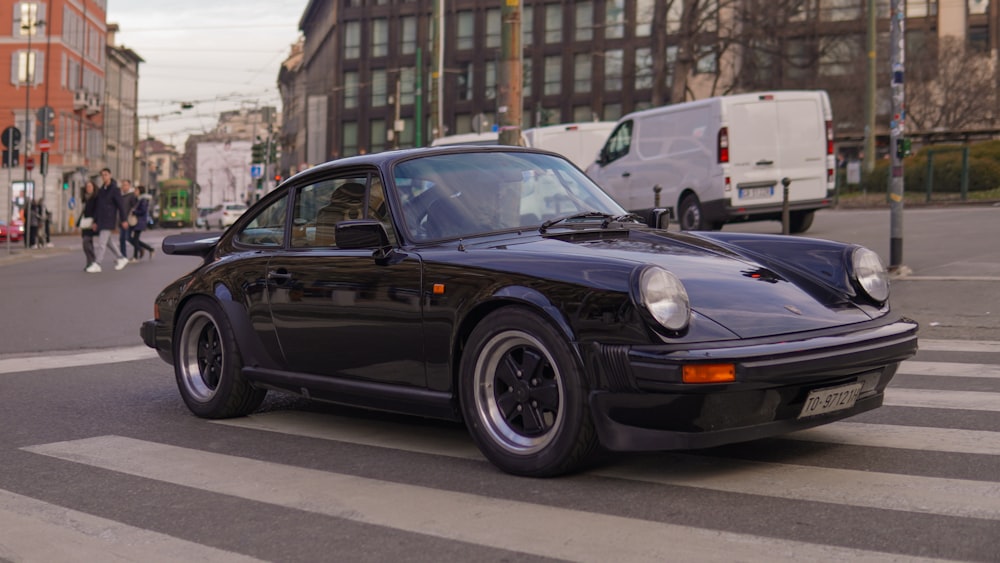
<point x="225" y="214"/>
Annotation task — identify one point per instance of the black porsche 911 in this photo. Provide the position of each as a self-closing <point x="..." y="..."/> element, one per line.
<point x="501" y="287"/>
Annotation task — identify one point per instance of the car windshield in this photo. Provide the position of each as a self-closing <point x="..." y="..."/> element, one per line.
<point x="464" y="194"/>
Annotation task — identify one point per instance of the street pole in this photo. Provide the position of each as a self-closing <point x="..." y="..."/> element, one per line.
<point x="897" y="127"/>
<point x="29" y="78"/>
<point x="418" y="114"/>
<point x="511" y="107"/>
<point x="437" y="73"/>
<point x="869" y="157"/>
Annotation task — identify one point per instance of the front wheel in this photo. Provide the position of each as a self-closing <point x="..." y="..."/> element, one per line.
<point x="208" y="366"/>
<point x="800" y="221"/>
<point x="523" y="396"/>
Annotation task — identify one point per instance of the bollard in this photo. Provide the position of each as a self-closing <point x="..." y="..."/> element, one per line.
<point x="656" y="195"/>
<point x="784" y="205"/>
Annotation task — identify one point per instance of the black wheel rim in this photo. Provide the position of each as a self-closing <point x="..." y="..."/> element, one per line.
<point x="202" y="357"/>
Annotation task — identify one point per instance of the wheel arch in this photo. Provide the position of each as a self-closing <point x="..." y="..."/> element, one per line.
<point x="237" y="318"/>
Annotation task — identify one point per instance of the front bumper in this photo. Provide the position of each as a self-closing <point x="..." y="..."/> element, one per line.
<point x="643" y="405"/>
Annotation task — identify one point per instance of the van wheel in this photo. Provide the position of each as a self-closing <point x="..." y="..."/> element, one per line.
<point x="800" y="221"/>
<point x="689" y="216"/>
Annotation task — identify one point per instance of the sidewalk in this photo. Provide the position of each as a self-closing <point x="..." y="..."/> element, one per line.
<point x="16" y="251"/>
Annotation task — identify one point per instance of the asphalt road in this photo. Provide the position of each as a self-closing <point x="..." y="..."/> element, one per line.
<point x="101" y="461"/>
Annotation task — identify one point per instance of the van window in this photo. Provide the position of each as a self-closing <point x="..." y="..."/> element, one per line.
<point x="618" y="143"/>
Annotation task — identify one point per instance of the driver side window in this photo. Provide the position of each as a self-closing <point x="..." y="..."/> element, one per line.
<point x="618" y="143"/>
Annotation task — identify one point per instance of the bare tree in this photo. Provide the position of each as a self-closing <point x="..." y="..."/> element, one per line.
<point x="951" y="89"/>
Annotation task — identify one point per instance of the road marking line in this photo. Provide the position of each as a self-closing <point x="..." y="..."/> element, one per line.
<point x="959" y="345"/>
<point x="58" y="361"/>
<point x="920" y="438"/>
<point x="938" y="399"/>
<point x="537" y="529"/>
<point x="838" y="486"/>
<point x="950" y="369"/>
<point x="33" y="530"/>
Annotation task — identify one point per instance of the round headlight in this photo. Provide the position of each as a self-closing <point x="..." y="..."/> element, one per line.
<point x="664" y="296"/>
<point x="871" y="274"/>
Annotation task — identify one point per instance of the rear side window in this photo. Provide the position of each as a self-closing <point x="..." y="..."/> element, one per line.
<point x="268" y="227"/>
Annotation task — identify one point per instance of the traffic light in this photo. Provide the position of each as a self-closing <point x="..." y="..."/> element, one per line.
<point x="257" y="153"/>
<point x="11" y="158"/>
<point x="903" y="148"/>
<point x="277" y="178"/>
<point x="273" y="155"/>
<point x="46" y="126"/>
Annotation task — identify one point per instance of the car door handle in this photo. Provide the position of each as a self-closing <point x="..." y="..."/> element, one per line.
<point x="280" y="276"/>
<point x="626" y="174"/>
<point x="765" y="162"/>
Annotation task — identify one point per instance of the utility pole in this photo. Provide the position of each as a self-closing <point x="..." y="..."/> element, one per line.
<point x="418" y="113"/>
<point x="511" y="106"/>
<point x="437" y="74"/>
<point x="869" y="148"/>
<point x="897" y="127"/>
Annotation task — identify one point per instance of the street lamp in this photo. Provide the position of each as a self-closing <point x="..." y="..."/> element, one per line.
<point x="29" y="77"/>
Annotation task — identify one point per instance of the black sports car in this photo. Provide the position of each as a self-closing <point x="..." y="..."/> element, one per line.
<point x="501" y="287"/>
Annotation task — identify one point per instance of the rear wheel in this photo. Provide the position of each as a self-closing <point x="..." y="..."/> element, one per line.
<point x="524" y="397"/>
<point x="800" y="221"/>
<point x="689" y="215"/>
<point x="208" y="366"/>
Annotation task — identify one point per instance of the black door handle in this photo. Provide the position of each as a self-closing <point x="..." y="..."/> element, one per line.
<point x="765" y="162"/>
<point x="626" y="174"/>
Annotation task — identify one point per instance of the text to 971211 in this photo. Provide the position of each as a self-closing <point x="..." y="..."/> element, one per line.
<point x="820" y="401"/>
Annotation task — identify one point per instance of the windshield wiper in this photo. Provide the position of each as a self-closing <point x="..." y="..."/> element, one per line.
<point x="621" y="219"/>
<point x="581" y="215"/>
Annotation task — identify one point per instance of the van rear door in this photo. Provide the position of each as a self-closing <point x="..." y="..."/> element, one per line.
<point x="802" y="146"/>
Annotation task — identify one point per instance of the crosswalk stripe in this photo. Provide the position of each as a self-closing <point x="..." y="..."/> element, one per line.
<point x="55" y="360"/>
<point x="839" y="486"/>
<point x="950" y="369"/>
<point x="33" y="530"/>
<point x="903" y="437"/>
<point x="537" y="529"/>
<point x="930" y="345"/>
<point x="940" y="399"/>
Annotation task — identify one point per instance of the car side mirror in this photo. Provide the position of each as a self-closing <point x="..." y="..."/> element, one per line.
<point x="659" y="218"/>
<point x="361" y="233"/>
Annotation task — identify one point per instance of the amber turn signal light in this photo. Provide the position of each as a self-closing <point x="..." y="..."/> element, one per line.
<point x="709" y="373"/>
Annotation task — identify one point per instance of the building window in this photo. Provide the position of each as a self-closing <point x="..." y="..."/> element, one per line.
<point x="644" y="18"/>
<point x="29" y="19"/>
<point x="643" y="68"/>
<point x="491" y="80"/>
<point x="527" y="26"/>
<point x="493" y="21"/>
<point x="408" y="86"/>
<point x="674" y="12"/>
<point x="350" y="131"/>
<point x="352" y="40"/>
<point x="613" y="67"/>
<point x="612" y="112"/>
<point x="24" y="67"/>
<point x="526" y="78"/>
<point x="553" y="76"/>
<point x="840" y="10"/>
<point x="351" y="90"/>
<point x="584" y="21"/>
<point x="921" y="8"/>
<point x="465" y="83"/>
<point x="466" y="30"/>
<point x="380" y="37"/>
<point x="797" y="53"/>
<point x="553" y="23"/>
<point x="583" y="113"/>
<point x="614" y="19"/>
<point x="707" y="62"/>
<point x="377" y="137"/>
<point x="839" y="55"/>
<point x="979" y="38"/>
<point x="582" y="76"/>
<point x="977" y="7"/>
<point x="409" y="44"/>
<point x="379" y="88"/>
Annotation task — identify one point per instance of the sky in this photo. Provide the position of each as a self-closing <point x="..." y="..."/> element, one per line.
<point x="218" y="55"/>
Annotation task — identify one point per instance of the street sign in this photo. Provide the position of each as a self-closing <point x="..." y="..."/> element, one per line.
<point x="256" y="171"/>
<point x="29" y="163"/>
<point x="44" y="145"/>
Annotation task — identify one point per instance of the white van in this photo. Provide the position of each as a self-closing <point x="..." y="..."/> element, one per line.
<point x="721" y="160"/>
<point x="579" y="142"/>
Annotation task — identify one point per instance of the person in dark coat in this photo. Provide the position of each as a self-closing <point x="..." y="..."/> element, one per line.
<point x="110" y="214"/>
<point x="131" y="199"/>
<point x="141" y="212"/>
<point x="87" y="230"/>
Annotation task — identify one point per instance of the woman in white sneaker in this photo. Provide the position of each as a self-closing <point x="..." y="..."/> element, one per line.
<point x="110" y="215"/>
<point x="86" y="222"/>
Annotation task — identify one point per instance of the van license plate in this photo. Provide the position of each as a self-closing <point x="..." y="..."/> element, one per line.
<point x="830" y="399"/>
<point x="756" y="193"/>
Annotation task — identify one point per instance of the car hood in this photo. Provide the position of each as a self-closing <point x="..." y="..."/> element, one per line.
<point x="735" y="291"/>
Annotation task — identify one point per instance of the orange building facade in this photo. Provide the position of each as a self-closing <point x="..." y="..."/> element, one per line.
<point x="55" y="54"/>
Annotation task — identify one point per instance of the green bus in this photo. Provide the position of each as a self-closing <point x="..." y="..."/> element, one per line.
<point x="177" y="203"/>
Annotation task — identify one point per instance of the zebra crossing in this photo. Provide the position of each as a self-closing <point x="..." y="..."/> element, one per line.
<point x="867" y="489"/>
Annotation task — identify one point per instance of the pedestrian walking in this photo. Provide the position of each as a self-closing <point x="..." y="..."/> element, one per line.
<point x="47" y="221"/>
<point x="34" y="221"/>
<point x="86" y="222"/>
<point x="110" y="214"/>
<point x="130" y="199"/>
<point x="141" y="214"/>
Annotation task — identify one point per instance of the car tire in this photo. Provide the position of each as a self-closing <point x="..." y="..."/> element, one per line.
<point x="800" y="221"/>
<point x="208" y="366"/>
<point x="540" y="426"/>
<point x="689" y="214"/>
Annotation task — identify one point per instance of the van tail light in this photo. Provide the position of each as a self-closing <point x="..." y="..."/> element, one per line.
<point x="829" y="137"/>
<point x="724" y="145"/>
<point x="829" y="175"/>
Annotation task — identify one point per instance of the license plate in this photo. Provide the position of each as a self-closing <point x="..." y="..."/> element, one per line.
<point x="830" y="399"/>
<point x="756" y="193"/>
